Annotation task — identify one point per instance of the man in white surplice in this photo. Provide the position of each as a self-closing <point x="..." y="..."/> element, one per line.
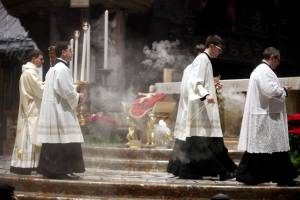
<point x="26" y="151"/>
<point x="58" y="129"/>
<point x="199" y="147"/>
<point x="264" y="130"/>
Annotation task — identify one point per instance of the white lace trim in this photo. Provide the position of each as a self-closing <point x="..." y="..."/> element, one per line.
<point x="265" y="133"/>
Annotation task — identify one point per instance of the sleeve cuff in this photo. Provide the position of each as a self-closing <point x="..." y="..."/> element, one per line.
<point x="202" y="91"/>
<point x="286" y="92"/>
<point x="204" y="98"/>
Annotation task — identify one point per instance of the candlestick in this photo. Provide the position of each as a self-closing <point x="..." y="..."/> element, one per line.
<point x="81" y="87"/>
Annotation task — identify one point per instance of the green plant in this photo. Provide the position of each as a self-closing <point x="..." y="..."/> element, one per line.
<point x="294" y="139"/>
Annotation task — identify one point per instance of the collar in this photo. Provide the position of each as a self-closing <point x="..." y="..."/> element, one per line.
<point x="207" y="55"/>
<point x="58" y="60"/>
<point x="265" y="62"/>
<point x="30" y="65"/>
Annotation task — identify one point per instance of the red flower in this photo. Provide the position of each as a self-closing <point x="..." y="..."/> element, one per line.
<point x="91" y="118"/>
<point x="294" y="117"/>
<point x="295" y="131"/>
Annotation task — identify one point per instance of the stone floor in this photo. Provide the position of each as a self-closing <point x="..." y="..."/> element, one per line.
<point x="119" y="179"/>
<point x="120" y="184"/>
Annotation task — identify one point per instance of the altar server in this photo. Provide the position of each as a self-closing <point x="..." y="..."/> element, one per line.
<point x="58" y="129"/>
<point x="199" y="147"/>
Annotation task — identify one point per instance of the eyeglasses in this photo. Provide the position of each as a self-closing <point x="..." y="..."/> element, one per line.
<point x="276" y="58"/>
<point x="219" y="48"/>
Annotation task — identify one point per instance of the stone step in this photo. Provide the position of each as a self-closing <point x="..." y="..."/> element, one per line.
<point x="126" y="159"/>
<point x="146" y="153"/>
<point x="129" y="161"/>
<point x="21" y="195"/>
<point x="125" y="164"/>
<point x="141" y="159"/>
<point x="127" y="153"/>
<point x="230" y="143"/>
<point x="149" y="185"/>
<point x="137" y="154"/>
<point x="128" y="164"/>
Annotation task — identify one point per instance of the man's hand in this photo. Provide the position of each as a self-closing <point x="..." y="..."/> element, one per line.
<point x="210" y="99"/>
<point x="218" y="84"/>
<point x="288" y="88"/>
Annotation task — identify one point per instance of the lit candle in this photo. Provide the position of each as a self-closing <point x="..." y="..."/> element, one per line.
<point x="105" y="39"/>
<point x="76" y="35"/>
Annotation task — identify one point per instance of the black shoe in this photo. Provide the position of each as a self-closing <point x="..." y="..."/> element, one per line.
<point x="73" y="176"/>
<point x="227" y="176"/>
<point x="55" y="176"/>
<point x="291" y="183"/>
<point x="220" y="196"/>
<point x="62" y="176"/>
<point x="192" y="177"/>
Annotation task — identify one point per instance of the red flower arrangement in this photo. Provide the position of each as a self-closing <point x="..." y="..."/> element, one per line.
<point x="294" y="123"/>
<point x="294" y="137"/>
<point x="295" y="117"/>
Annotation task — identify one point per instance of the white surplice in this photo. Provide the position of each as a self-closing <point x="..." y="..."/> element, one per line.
<point x="58" y="121"/>
<point x="26" y="151"/>
<point x="194" y="116"/>
<point x="264" y="126"/>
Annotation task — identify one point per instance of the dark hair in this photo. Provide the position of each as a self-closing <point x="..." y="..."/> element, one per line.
<point x="60" y="46"/>
<point x="34" y="54"/>
<point x="214" y="39"/>
<point x="271" y="52"/>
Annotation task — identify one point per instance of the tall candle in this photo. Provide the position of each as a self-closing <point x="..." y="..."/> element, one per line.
<point x="76" y="35"/>
<point x="72" y="60"/>
<point x="105" y="39"/>
<point x="88" y="54"/>
<point x="83" y="57"/>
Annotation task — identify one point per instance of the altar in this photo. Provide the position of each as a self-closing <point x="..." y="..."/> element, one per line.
<point x="232" y="98"/>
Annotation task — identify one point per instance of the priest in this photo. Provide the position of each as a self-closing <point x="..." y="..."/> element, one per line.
<point x="58" y="129"/>
<point x="199" y="147"/>
<point x="26" y="150"/>
<point x="264" y="131"/>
